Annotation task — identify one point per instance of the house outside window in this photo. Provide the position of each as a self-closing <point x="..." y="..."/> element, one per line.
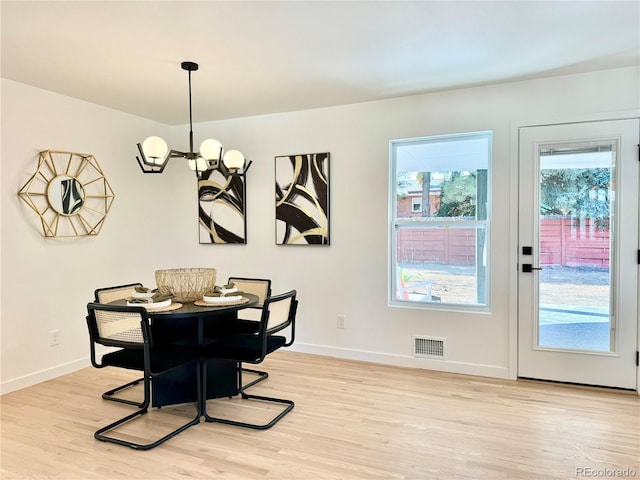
<point x="440" y="221"/>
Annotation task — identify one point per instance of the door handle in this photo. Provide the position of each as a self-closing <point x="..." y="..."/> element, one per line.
<point x="527" y="268"/>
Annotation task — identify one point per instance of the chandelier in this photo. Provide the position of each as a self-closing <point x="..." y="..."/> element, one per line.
<point x="154" y="152"/>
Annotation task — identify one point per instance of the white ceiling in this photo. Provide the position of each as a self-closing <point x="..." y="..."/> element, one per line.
<point x="276" y="56"/>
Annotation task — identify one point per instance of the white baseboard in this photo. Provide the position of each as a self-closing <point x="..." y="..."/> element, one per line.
<point x="492" y="371"/>
<point x="43" y="375"/>
<point x="350" y="354"/>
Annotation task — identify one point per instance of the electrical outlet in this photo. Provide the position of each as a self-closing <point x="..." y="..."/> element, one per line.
<point x="53" y="338"/>
<point x="342" y="323"/>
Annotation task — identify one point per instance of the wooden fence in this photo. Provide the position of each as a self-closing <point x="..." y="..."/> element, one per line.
<point x="450" y="246"/>
<point x="573" y="242"/>
<point x="563" y="241"/>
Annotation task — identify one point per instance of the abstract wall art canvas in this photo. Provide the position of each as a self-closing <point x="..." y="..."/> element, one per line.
<point x="221" y="208"/>
<point x="302" y="199"/>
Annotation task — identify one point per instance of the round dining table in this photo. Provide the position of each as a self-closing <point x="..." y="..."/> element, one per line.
<point x="192" y="325"/>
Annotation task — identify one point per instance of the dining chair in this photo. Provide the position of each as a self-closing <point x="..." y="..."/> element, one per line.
<point x="250" y="320"/>
<point x="111" y="294"/>
<point x="107" y="295"/>
<point x="128" y="329"/>
<point x="253" y="348"/>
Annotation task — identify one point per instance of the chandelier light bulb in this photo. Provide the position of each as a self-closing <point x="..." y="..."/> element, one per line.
<point x="201" y="164"/>
<point x="211" y="149"/>
<point x="154" y="152"/>
<point x="155" y="149"/>
<point x="233" y="159"/>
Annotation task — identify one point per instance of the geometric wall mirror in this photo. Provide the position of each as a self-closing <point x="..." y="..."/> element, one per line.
<point x="70" y="194"/>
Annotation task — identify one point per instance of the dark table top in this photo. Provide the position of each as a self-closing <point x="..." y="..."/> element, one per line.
<point x="189" y="309"/>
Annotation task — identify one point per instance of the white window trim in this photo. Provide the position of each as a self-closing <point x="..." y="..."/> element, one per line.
<point x="392" y="251"/>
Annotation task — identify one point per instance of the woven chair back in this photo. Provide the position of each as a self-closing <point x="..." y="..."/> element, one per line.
<point x="115" y="326"/>
<point x="280" y="313"/>
<point x="111" y="294"/>
<point x="259" y="287"/>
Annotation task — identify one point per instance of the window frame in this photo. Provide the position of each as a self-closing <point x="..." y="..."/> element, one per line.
<point x="395" y="224"/>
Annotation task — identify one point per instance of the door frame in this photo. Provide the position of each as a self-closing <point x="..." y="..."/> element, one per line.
<point x="514" y="166"/>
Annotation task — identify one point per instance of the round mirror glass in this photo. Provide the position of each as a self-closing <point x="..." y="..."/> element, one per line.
<point x="65" y="194"/>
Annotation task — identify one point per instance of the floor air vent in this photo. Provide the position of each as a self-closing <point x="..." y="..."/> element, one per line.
<point x="429" y="347"/>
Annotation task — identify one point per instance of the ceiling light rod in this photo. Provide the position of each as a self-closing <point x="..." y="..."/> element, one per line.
<point x="192" y="67"/>
<point x="155" y="153"/>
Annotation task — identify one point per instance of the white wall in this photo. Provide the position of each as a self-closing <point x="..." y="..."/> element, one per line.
<point x="46" y="282"/>
<point x="349" y="277"/>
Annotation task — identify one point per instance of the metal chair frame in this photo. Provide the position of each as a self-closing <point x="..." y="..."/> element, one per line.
<point x="106" y="295"/>
<point x="146" y="346"/>
<point x="262" y="375"/>
<point x="268" y="343"/>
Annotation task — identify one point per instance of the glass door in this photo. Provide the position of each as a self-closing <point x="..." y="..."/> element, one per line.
<point x="578" y="245"/>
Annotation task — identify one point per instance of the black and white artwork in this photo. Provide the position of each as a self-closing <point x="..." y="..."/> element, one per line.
<point x="221" y="208"/>
<point x="302" y="199"/>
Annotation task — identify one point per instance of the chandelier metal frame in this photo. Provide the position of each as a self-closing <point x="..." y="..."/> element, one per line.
<point x="197" y="162"/>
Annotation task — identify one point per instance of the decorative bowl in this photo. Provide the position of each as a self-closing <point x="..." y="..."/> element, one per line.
<point x="186" y="284"/>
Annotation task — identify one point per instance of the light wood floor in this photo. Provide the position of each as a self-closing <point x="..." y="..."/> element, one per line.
<point x="352" y="420"/>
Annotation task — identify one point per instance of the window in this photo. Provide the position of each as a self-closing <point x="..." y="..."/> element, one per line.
<point x="440" y="221"/>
